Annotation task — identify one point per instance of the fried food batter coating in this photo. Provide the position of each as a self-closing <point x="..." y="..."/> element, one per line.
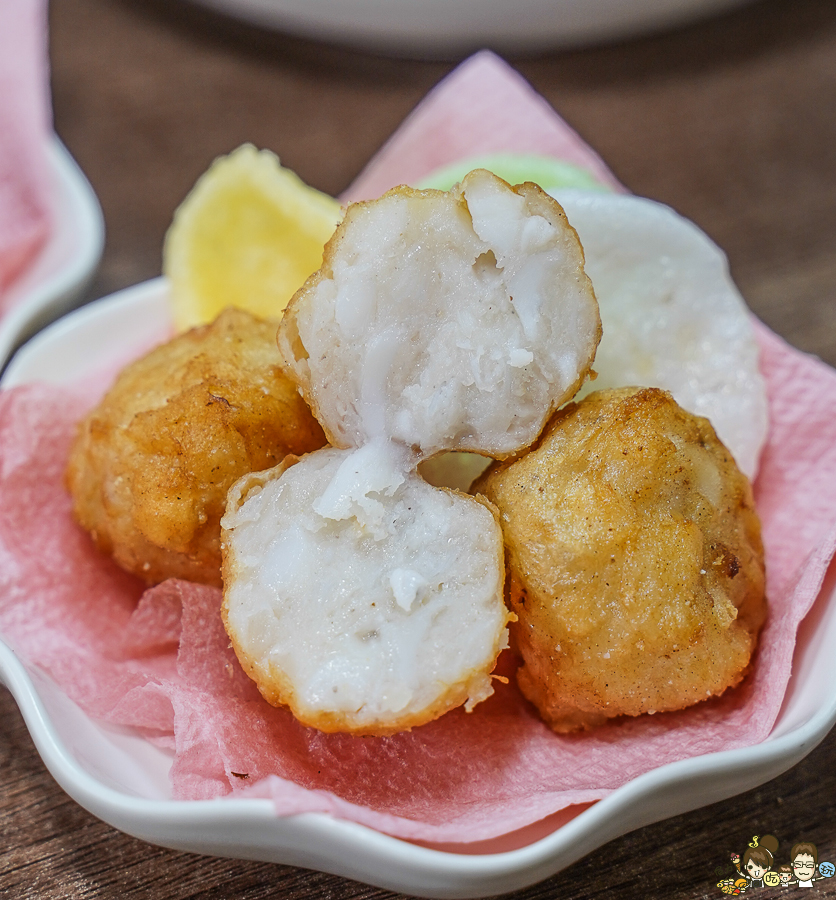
<point x="151" y="465"/>
<point x="634" y="557"/>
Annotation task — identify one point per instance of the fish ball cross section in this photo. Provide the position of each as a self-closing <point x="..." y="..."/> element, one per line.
<point x="355" y="593"/>
<point x="445" y="321"/>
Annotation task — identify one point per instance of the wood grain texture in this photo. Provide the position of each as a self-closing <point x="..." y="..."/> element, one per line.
<point x="54" y="850"/>
<point x="731" y="121"/>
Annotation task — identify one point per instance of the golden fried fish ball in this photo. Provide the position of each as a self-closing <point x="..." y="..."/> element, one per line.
<point x="151" y="465"/>
<point x="634" y="557"/>
<point x="355" y="593"/>
<point x="360" y="597"/>
<point x="454" y="320"/>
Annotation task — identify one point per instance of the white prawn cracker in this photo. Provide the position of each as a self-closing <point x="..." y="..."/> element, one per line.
<point x="445" y="320"/>
<point x="672" y="315"/>
<point x="355" y="593"/>
<point x="359" y="596"/>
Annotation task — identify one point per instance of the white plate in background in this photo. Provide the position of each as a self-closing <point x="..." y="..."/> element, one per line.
<point x="55" y="280"/>
<point x="434" y="28"/>
<point x="123" y="779"/>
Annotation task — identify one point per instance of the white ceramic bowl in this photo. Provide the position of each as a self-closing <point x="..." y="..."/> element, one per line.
<point x="122" y="779"/>
<point x="58" y="276"/>
<point x="439" y="28"/>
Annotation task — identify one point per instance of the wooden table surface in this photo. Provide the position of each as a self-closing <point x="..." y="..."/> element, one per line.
<point x="731" y="121"/>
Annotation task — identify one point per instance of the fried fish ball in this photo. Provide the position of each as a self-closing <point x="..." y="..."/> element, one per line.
<point x="634" y="557"/>
<point x="445" y="320"/>
<point x="359" y="596"/>
<point x="355" y="593"/>
<point x="151" y="465"/>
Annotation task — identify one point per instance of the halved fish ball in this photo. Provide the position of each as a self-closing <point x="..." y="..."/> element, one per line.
<point x="445" y="321"/>
<point x="634" y="556"/>
<point x="360" y="597"/>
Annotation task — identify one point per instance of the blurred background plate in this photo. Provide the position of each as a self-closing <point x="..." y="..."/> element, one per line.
<point x="443" y="28"/>
<point x="55" y="282"/>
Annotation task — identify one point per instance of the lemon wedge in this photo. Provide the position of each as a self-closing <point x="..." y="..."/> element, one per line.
<point x="248" y="235"/>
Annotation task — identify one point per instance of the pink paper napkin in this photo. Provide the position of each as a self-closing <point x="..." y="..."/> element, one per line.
<point x="25" y="128"/>
<point x="484" y="106"/>
<point x="160" y="661"/>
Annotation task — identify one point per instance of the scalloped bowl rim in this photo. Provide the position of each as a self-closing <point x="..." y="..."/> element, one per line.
<point x="250" y="829"/>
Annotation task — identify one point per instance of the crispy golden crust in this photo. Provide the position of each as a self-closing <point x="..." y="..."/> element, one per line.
<point x="151" y="465"/>
<point x="634" y="557"/>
